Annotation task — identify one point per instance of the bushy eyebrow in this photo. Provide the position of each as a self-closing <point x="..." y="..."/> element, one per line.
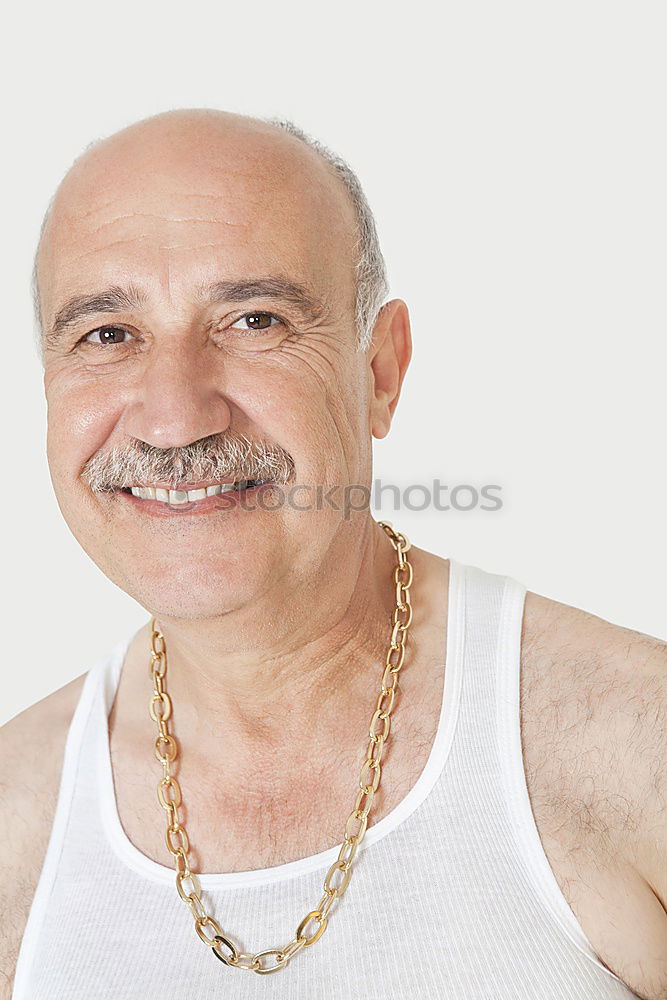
<point x="111" y="300"/>
<point x="282" y="289"/>
<point x="116" y="299"/>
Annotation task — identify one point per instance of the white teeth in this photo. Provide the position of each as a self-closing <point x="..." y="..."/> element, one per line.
<point x="176" y="497"/>
<point x="212" y="491"/>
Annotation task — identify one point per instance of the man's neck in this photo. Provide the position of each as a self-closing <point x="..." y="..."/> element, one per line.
<point x="278" y="783"/>
<point x="273" y="677"/>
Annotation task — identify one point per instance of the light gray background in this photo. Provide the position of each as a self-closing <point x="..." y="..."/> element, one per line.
<point x="515" y="157"/>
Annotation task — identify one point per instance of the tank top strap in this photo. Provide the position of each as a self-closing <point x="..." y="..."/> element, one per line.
<point x="76" y="745"/>
<point x="485" y="609"/>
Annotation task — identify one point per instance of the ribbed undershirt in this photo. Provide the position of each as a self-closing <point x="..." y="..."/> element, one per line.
<point x="451" y="896"/>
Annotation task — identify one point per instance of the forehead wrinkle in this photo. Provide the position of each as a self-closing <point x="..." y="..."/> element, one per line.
<point x="257" y="194"/>
<point x="128" y="240"/>
<point x="108" y="246"/>
<point x="163" y="218"/>
<point x="99" y="208"/>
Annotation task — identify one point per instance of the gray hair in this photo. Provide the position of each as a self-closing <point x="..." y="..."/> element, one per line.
<point x="372" y="286"/>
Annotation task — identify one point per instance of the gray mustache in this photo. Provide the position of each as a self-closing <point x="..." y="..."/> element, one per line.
<point x="230" y="456"/>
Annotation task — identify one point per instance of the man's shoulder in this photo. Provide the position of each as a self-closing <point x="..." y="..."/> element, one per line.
<point x="35" y="728"/>
<point x="609" y="660"/>
<point x="32" y="747"/>
<point x="594" y="733"/>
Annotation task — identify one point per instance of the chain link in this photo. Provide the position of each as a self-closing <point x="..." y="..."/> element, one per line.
<point x="339" y="874"/>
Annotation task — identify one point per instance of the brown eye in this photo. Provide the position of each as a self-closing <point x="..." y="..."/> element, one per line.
<point x="256" y="321"/>
<point x="107" y="335"/>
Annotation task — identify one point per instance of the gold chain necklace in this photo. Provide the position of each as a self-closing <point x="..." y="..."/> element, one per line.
<point x="340" y="872"/>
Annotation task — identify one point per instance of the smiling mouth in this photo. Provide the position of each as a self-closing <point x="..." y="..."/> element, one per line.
<point x="178" y="497"/>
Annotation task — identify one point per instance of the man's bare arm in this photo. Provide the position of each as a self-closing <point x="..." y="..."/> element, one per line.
<point x="647" y="790"/>
<point x="595" y="762"/>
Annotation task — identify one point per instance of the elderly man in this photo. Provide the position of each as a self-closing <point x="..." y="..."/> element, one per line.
<point x="217" y="358"/>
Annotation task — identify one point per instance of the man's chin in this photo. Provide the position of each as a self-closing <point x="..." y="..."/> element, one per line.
<point x="190" y="600"/>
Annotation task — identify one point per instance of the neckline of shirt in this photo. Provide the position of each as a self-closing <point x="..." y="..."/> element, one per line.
<point x="110" y="670"/>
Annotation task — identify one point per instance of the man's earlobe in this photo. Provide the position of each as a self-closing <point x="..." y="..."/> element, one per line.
<point x="390" y="353"/>
<point x="380" y="415"/>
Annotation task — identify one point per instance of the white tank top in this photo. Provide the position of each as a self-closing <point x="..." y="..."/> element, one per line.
<point x="452" y="894"/>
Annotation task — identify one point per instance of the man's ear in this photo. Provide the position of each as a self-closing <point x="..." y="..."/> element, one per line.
<point x="389" y="356"/>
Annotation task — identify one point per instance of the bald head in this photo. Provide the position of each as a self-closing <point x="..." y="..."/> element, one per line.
<point x="198" y="167"/>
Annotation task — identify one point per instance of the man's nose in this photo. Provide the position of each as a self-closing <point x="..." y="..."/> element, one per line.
<point x="178" y="399"/>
